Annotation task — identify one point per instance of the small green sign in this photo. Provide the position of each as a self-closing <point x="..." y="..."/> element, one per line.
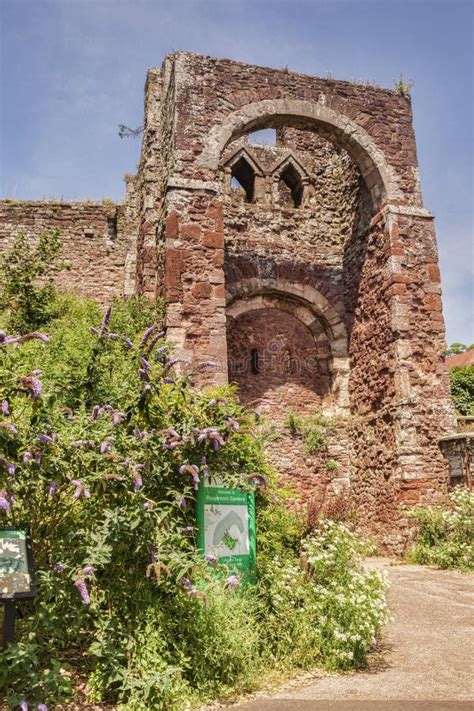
<point x="16" y="564"/>
<point x="226" y="525"/>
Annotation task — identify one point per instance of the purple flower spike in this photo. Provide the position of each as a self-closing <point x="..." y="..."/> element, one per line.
<point x="4" y="503"/>
<point x="58" y="567"/>
<point x="32" y="384"/>
<point x="105" y="446"/>
<point x="94" y="331"/>
<point x="147" y="505"/>
<point x="40" y="336"/>
<point x="168" y="381"/>
<point x="233" y="581"/>
<point x="4" y="407"/>
<point x="88" y="570"/>
<point x="138" y="433"/>
<point x="162" y="349"/>
<point x="211" y="559"/>
<point x="23" y="706"/>
<point x="42" y="707"/>
<point x="52" y="488"/>
<point x="117" y="418"/>
<point x="9" y="427"/>
<point x="96" y="411"/>
<point x="45" y="439"/>
<point x="11" y="468"/>
<point x="87" y="494"/>
<point x="27" y="457"/>
<point x="146" y="365"/>
<point x="149" y="331"/>
<point x="138" y="483"/>
<point x="129" y="343"/>
<point x="81" y="586"/>
<point x="182" y="502"/>
<point x="105" y="321"/>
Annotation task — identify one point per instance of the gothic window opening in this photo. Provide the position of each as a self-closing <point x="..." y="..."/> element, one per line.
<point x="243" y="179"/>
<point x="254" y="362"/>
<point x="290" y="187"/>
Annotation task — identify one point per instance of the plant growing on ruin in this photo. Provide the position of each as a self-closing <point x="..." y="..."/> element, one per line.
<point x="404" y="87"/>
<point x="313" y="430"/>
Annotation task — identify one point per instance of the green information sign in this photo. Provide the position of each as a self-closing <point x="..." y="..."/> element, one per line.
<point x="226" y="525"/>
<point x="16" y="564"/>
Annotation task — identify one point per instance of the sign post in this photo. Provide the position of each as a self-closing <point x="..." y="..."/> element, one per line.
<point x="226" y="525"/>
<point x="16" y="576"/>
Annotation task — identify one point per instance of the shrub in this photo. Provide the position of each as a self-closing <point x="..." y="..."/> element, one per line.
<point x="323" y="608"/>
<point x="462" y="389"/>
<point x="92" y="448"/>
<point x="446" y="536"/>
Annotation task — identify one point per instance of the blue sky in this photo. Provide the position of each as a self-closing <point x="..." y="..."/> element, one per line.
<point x="72" y="70"/>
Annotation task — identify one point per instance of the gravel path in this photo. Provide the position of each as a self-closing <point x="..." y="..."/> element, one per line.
<point x="424" y="663"/>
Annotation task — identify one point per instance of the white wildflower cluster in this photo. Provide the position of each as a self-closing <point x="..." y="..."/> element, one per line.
<point x="328" y="600"/>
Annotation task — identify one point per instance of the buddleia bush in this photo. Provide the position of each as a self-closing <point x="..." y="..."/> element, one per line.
<point x="104" y="471"/>
<point x="102" y="444"/>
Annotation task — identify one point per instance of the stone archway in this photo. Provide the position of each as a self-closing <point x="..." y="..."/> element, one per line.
<point x="380" y="177"/>
<point x="281" y="320"/>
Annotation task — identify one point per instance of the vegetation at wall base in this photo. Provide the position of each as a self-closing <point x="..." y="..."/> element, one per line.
<point x="446" y="535"/>
<point x="102" y="442"/>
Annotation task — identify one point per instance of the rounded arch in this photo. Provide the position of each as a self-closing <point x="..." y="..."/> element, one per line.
<point x="379" y="176"/>
<point x="313" y="310"/>
<point x="244" y="294"/>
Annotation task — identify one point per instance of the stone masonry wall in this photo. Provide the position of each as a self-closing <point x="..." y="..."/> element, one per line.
<point x="98" y="242"/>
<point x="323" y="261"/>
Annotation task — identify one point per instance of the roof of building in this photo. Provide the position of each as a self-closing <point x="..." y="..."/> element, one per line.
<point x="461" y="360"/>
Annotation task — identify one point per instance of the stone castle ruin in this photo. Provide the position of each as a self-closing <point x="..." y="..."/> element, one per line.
<point x="306" y="268"/>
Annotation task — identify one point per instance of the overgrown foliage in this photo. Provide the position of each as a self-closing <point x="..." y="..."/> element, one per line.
<point x="102" y="445"/>
<point x="446" y="536"/>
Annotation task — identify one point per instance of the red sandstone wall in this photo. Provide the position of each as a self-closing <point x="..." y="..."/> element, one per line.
<point x="98" y="242"/>
<point x="288" y="376"/>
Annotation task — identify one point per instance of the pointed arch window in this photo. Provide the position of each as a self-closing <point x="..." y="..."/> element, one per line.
<point x="290" y="187"/>
<point x="243" y="178"/>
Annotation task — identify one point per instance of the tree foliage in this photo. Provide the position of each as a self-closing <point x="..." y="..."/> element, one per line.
<point x="462" y="389"/>
<point x="27" y="288"/>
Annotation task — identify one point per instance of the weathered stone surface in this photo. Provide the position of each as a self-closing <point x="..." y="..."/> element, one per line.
<point x="315" y="284"/>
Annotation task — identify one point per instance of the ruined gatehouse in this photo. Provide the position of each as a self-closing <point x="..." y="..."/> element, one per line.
<point x="306" y="268"/>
